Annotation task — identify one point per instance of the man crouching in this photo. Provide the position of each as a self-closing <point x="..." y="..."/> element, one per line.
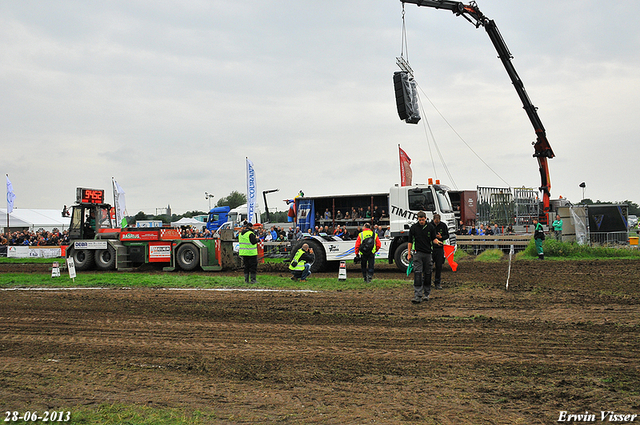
<point x="300" y="266"/>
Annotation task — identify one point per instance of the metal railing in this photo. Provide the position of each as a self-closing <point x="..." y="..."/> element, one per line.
<point x="609" y="238"/>
<point x="277" y="249"/>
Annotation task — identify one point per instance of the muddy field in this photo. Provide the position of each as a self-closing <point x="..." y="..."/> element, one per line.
<point x="563" y="338"/>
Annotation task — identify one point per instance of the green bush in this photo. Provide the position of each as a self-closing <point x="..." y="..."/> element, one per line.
<point x="556" y="249"/>
<point x="490" y="255"/>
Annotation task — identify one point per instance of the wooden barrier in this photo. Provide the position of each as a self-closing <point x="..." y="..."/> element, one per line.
<point x="482" y="242"/>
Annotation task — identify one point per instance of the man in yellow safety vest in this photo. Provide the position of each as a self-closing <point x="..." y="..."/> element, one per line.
<point x="300" y="265"/>
<point x="248" y="250"/>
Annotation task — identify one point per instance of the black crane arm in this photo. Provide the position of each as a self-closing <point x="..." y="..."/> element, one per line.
<point x="542" y="148"/>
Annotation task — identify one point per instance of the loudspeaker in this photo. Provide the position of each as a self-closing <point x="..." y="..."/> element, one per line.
<point x="406" y="97"/>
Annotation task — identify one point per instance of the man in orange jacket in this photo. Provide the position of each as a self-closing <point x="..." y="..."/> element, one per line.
<point x="367" y="244"/>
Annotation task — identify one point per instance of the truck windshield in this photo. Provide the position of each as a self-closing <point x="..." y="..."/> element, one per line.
<point x="444" y="201"/>
<point x="421" y="200"/>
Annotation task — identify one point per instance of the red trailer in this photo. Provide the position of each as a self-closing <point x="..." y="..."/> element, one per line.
<point x="465" y="206"/>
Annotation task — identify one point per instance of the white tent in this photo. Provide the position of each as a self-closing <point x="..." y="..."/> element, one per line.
<point x="185" y="221"/>
<point x="34" y="219"/>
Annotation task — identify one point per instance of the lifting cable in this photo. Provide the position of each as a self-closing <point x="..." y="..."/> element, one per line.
<point x="426" y="125"/>
<point x="404" y="65"/>
<point x="462" y="139"/>
<point x="404" y="51"/>
<point x="403" y="45"/>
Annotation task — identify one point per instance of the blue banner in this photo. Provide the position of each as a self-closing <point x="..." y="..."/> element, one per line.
<point x="10" y="196"/>
<point x="306" y="215"/>
<point x="252" y="193"/>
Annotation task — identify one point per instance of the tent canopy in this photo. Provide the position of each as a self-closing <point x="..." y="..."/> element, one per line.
<point x="185" y="221"/>
<point x="34" y="219"/>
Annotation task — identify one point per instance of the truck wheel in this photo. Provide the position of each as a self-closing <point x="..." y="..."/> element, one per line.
<point x="106" y="258"/>
<point x="82" y="259"/>
<point x="187" y="257"/>
<point x="400" y="256"/>
<point x="319" y="262"/>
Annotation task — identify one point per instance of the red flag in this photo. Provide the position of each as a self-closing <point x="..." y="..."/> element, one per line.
<point x="449" y="250"/>
<point x="405" y="168"/>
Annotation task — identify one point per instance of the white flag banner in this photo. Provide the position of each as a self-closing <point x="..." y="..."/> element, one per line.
<point x="121" y="207"/>
<point x="252" y="192"/>
<point x="10" y="196"/>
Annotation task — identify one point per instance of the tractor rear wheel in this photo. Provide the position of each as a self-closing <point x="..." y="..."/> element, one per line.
<point x="106" y="258"/>
<point x="82" y="259"/>
<point x="188" y="257"/>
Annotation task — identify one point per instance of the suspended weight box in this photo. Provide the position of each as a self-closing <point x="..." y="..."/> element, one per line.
<point x="406" y="97"/>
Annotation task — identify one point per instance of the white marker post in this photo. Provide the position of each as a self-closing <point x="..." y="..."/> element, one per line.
<point x="55" y="270"/>
<point x="509" y="273"/>
<point x="72" y="269"/>
<point x="342" y="272"/>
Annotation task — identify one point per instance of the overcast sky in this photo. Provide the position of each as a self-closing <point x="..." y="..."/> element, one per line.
<point x="170" y="97"/>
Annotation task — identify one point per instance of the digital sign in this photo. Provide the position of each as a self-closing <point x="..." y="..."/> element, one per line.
<point x="89" y="196"/>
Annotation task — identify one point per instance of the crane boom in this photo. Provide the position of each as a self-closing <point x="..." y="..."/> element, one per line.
<point x="542" y="149"/>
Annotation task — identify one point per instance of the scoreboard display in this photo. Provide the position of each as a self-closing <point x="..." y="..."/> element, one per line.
<point x="89" y="196"/>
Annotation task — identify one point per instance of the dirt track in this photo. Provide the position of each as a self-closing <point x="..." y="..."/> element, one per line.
<point x="565" y="337"/>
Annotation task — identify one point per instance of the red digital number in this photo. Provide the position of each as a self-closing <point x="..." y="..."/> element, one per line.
<point x="93" y="196"/>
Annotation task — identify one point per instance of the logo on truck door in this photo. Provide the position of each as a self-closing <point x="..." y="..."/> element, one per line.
<point x="408" y="214"/>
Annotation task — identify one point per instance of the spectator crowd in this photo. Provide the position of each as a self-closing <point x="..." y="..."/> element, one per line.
<point x="39" y="238"/>
<point x="267" y="234"/>
<point x="278" y="234"/>
<point x="481" y="230"/>
<point x="355" y="215"/>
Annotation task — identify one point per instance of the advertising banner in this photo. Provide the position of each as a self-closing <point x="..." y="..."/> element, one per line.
<point x="159" y="252"/>
<point x="34" y="252"/>
<point x="252" y="192"/>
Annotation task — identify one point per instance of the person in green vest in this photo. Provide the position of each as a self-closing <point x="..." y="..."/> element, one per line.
<point x="538" y="237"/>
<point x="248" y="250"/>
<point x="557" y="227"/>
<point x="300" y="265"/>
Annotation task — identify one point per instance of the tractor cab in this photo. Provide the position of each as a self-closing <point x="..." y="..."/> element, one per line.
<point x="90" y="216"/>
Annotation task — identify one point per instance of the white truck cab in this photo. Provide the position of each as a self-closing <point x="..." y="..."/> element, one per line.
<point x="401" y="205"/>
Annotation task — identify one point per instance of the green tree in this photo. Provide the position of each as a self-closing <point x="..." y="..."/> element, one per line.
<point x="275" y="217"/>
<point x="163" y="218"/>
<point x="140" y="216"/>
<point x="234" y="200"/>
<point x="190" y="214"/>
<point x="634" y="208"/>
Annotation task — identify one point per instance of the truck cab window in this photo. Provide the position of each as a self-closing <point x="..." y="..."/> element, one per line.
<point x="444" y="201"/>
<point x="105" y="219"/>
<point x="421" y="200"/>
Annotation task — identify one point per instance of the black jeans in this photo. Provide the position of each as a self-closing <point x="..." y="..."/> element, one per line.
<point x="250" y="264"/>
<point x="422" y="273"/>
<point x="367" y="265"/>
<point x="438" y="260"/>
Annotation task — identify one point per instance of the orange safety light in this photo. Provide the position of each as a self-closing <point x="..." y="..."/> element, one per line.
<point x="430" y="180"/>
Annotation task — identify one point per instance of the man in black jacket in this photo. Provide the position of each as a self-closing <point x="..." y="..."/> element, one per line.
<point x="442" y="234"/>
<point x="421" y="238"/>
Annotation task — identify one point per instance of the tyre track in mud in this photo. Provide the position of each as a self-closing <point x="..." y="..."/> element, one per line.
<point x="473" y="354"/>
<point x="186" y="334"/>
